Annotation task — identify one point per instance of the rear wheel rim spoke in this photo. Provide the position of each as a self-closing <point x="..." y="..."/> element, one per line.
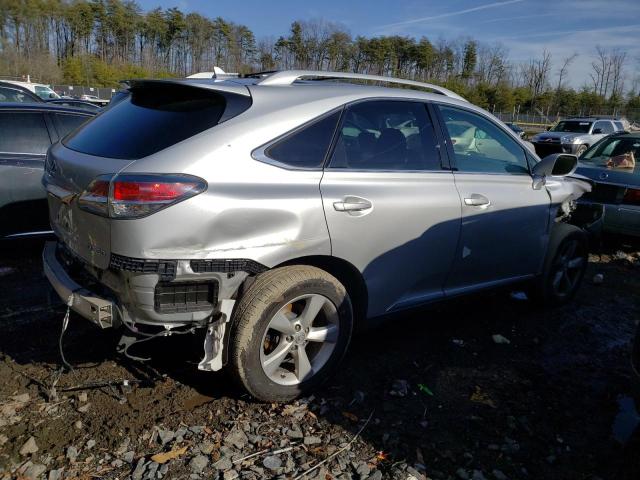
<point x="299" y="339"/>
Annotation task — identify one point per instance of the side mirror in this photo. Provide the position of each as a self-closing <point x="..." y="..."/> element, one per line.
<point x="596" y="131"/>
<point x="557" y="165"/>
<point x="548" y="128"/>
<point x="52" y="95"/>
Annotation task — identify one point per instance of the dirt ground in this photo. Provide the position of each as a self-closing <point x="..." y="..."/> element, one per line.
<point x="431" y="393"/>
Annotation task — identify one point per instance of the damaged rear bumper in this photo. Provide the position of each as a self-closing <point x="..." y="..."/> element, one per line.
<point x="98" y="310"/>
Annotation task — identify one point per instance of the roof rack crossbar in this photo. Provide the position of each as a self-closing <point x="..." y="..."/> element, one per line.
<point x="287" y="77"/>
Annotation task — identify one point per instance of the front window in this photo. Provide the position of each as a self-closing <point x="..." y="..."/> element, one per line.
<point x="481" y="146"/>
<point x="618" y="153"/>
<point x="45" y="92"/>
<point x="572" y="126"/>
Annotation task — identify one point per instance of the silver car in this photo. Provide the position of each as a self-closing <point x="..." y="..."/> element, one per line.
<point x="276" y="213"/>
<point x="574" y="135"/>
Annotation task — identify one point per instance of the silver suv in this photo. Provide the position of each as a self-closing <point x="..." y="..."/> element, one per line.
<point x="574" y="135"/>
<point x="275" y="213"/>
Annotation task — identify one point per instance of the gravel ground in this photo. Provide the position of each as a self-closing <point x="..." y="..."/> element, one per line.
<point x="480" y="388"/>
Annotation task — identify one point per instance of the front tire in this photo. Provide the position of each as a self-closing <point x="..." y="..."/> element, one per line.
<point x="290" y="331"/>
<point x="564" y="267"/>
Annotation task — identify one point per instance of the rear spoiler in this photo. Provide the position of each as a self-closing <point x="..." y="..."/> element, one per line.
<point x="208" y="84"/>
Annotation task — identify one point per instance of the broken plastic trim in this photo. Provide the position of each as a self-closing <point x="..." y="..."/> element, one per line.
<point x="227" y="266"/>
<point x="165" y="268"/>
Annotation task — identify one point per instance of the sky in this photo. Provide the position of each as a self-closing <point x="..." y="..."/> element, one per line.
<point x="524" y="27"/>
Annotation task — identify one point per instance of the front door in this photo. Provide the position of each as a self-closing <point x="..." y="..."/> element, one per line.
<point x="505" y="220"/>
<point x="391" y="208"/>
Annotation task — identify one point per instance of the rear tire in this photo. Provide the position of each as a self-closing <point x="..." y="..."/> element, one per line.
<point x="564" y="267"/>
<point x="291" y="329"/>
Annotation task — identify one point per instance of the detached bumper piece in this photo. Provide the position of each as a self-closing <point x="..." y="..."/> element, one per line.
<point x="185" y="296"/>
<point x="96" y="309"/>
<point x="166" y="269"/>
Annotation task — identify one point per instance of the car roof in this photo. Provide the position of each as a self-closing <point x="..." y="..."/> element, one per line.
<point x="40" y="107"/>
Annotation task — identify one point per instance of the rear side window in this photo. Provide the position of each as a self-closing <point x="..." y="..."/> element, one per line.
<point x="152" y="118"/>
<point x="306" y="147"/>
<point x="23" y="133"/>
<point x="605" y="127"/>
<point x="67" y="123"/>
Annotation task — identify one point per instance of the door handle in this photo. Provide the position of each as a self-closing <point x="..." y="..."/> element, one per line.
<point x="477" y="200"/>
<point x="352" y="204"/>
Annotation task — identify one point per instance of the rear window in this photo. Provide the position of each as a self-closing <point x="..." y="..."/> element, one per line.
<point x="68" y="123"/>
<point x="152" y="118"/>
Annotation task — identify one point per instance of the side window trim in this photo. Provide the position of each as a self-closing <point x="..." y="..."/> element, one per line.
<point x="51" y="127"/>
<point x="449" y="146"/>
<point x="260" y="154"/>
<point x="443" y="157"/>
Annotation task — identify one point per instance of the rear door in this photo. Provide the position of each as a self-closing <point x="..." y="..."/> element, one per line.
<point x="504" y="218"/>
<point x="390" y="204"/>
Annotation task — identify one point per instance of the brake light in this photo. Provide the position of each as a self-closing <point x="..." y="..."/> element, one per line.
<point x="631" y="197"/>
<point x="138" y="195"/>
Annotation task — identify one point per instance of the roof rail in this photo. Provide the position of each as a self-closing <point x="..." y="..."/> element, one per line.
<point x="287" y="77"/>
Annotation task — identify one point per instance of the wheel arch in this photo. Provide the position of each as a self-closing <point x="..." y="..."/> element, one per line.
<point x="346" y="273"/>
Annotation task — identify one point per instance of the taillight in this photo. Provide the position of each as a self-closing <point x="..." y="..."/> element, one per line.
<point x="96" y="197"/>
<point x="631" y="197"/>
<point x="138" y="195"/>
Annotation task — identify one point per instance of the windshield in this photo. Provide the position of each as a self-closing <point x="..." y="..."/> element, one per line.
<point x="572" y="126"/>
<point x="619" y="153"/>
<point x="45" y="92"/>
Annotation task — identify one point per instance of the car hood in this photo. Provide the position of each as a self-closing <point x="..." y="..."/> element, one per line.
<point x="556" y="136"/>
<point x="627" y="177"/>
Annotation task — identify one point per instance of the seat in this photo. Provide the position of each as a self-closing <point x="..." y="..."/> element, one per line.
<point x="391" y="149"/>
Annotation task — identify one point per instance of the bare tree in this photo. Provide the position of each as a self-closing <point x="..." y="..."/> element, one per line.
<point x="566" y="63"/>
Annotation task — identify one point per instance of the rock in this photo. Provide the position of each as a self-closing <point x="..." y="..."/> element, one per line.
<point x="152" y="468"/>
<point x="29" y="447"/>
<point x="499" y="475"/>
<point x="312" y="440"/>
<point x="207" y="447"/>
<point x="164" y="469"/>
<point x="224" y="463"/>
<point x="90" y="444"/>
<point x="22" y="398"/>
<point x="78" y="424"/>
<point x="84" y="408"/>
<point x="500" y="340"/>
<point x="72" y="453"/>
<point x="462" y="474"/>
<point x="139" y="470"/>
<point x="237" y="438"/>
<point x="83" y="397"/>
<point x="3" y="439"/>
<point x="478" y="475"/>
<point x="55" y="474"/>
<point x="414" y="473"/>
<point x="295" y="433"/>
<point x="399" y="388"/>
<point x="165" y="436"/>
<point x="117" y="463"/>
<point x="198" y="463"/>
<point x="272" y="462"/>
<point x="128" y="457"/>
<point x="598" y="278"/>
<point x="197" y="429"/>
<point x="377" y="475"/>
<point x="363" y="470"/>
<point x="230" y="475"/>
<point x="34" y="471"/>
